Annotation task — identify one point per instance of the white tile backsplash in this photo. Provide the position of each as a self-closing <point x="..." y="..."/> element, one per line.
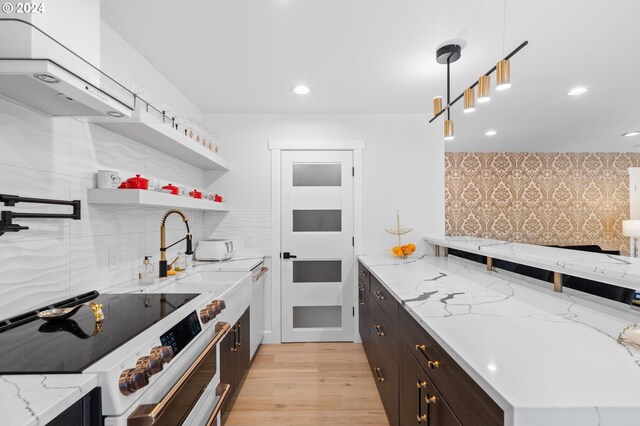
<point x="58" y="158"/>
<point x="250" y="230"/>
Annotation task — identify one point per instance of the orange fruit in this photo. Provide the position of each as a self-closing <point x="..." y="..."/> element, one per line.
<point x="412" y="247"/>
<point x="397" y="250"/>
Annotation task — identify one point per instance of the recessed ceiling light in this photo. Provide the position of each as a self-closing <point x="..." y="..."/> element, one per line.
<point x="634" y="133"/>
<point x="577" y="91"/>
<point x="301" y="89"/>
<point x="490" y="133"/>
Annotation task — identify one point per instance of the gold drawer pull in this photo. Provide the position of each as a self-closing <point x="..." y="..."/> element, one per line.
<point x="379" y="295"/>
<point x="430" y="399"/>
<point x="378" y="330"/>
<point x="421" y="348"/>
<point x="422" y="418"/>
<point x="433" y="364"/>
<point x="363" y="274"/>
<point x="379" y="374"/>
<point x="422" y="384"/>
<point x="362" y="289"/>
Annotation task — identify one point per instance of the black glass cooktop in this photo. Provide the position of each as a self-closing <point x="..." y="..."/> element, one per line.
<point x="70" y="346"/>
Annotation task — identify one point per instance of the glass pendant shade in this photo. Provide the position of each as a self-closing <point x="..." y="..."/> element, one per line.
<point x="469" y="100"/>
<point x="448" y="130"/>
<point x="503" y="75"/>
<point x="484" y="89"/>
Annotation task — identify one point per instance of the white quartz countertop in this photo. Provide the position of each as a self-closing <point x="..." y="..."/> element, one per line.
<point x="546" y="358"/>
<point x="36" y="399"/>
<point x="618" y="270"/>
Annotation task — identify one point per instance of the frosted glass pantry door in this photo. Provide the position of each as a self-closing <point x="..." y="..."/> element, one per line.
<point x="317" y="246"/>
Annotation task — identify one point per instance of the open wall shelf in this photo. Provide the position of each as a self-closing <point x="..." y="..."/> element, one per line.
<point x="148" y="129"/>
<point x="145" y="198"/>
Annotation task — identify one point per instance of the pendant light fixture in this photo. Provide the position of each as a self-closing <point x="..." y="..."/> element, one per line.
<point x="484" y="89"/>
<point x="437" y="105"/>
<point x="448" y="130"/>
<point x="469" y="100"/>
<point x="450" y="53"/>
<point x="447" y="54"/>
<point x="503" y="75"/>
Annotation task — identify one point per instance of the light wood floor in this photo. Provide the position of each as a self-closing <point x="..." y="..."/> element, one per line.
<point x="308" y="384"/>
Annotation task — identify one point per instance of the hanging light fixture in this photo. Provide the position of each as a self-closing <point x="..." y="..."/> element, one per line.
<point x="484" y="89"/>
<point x="450" y="53"/>
<point x="437" y="105"/>
<point x="448" y="130"/>
<point x="469" y="100"/>
<point x="503" y="75"/>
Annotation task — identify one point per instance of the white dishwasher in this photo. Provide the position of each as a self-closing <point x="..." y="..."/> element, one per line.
<point x="257" y="307"/>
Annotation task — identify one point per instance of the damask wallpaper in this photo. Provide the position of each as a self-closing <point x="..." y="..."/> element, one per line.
<point x="539" y="198"/>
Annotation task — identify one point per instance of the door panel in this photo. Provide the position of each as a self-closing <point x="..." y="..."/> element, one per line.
<point x="317" y="228"/>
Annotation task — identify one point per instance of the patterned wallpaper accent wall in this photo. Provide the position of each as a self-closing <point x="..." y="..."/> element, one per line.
<point x="539" y="198"/>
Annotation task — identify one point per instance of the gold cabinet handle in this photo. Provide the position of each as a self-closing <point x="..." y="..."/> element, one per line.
<point x="363" y="274"/>
<point x="430" y="399"/>
<point x="379" y="295"/>
<point x="422" y="384"/>
<point x="433" y="364"/>
<point x="379" y="374"/>
<point x="378" y="330"/>
<point x="361" y="288"/>
<point x="421" y="348"/>
<point x="422" y="418"/>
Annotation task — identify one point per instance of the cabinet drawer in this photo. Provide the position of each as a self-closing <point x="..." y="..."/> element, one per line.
<point x="381" y="295"/>
<point x="384" y="343"/>
<point x="363" y="275"/>
<point x="465" y="397"/>
<point x="389" y="396"/>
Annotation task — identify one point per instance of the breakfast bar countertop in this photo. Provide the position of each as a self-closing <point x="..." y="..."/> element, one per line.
<point x="617" y="270"/>
<point x="546" y="358"/>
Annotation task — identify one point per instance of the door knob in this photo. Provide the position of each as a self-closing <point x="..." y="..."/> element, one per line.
<point x="287" y="255"/>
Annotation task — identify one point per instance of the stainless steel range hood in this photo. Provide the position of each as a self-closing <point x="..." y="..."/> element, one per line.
<point x="32" y="73"/>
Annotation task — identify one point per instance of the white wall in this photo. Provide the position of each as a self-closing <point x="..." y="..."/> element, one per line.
<point x="403" y="170"/>
<point x="58" y="158"/>
<point x="403" y="167"/>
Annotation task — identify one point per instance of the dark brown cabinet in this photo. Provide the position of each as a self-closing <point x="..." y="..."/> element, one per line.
<point x="419" y="383"/>
<point x="235" y="358"/>
<point x="420" y="402"/>
<point x="363" y="314"/>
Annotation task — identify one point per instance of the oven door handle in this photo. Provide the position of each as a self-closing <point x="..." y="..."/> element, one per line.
<point x="222" y="391"/>
<point x="148" y="414"/>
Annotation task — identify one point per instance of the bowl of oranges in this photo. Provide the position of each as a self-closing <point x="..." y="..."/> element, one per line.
<point x="403" y="251"/>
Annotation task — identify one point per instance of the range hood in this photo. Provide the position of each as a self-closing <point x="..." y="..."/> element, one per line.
<point x="42" y="74"/>
<point x="47" y="87"/>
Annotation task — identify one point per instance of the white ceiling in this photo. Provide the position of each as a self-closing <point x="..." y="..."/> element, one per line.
<point x="378" y="56"/>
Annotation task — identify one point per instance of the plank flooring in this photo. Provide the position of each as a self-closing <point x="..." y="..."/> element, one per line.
<point x="308" y="384"/>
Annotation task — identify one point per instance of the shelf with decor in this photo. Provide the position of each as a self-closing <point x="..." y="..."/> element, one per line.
<point x="146" y="198"/>
<point x="152" y="128"/>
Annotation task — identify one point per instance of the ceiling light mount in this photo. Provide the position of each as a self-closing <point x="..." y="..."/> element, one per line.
<point x="448" y="53"/>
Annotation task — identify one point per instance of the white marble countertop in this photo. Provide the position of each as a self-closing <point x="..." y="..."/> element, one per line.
<point x="618" y="270"/>
<point x="36" y="399"/>
<point x="546" y="358"/>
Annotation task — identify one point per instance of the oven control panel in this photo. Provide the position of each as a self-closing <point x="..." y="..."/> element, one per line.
<point x="182" y="333"/>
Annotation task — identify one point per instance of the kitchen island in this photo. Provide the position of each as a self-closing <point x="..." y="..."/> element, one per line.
<point x="544" y="358"/>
